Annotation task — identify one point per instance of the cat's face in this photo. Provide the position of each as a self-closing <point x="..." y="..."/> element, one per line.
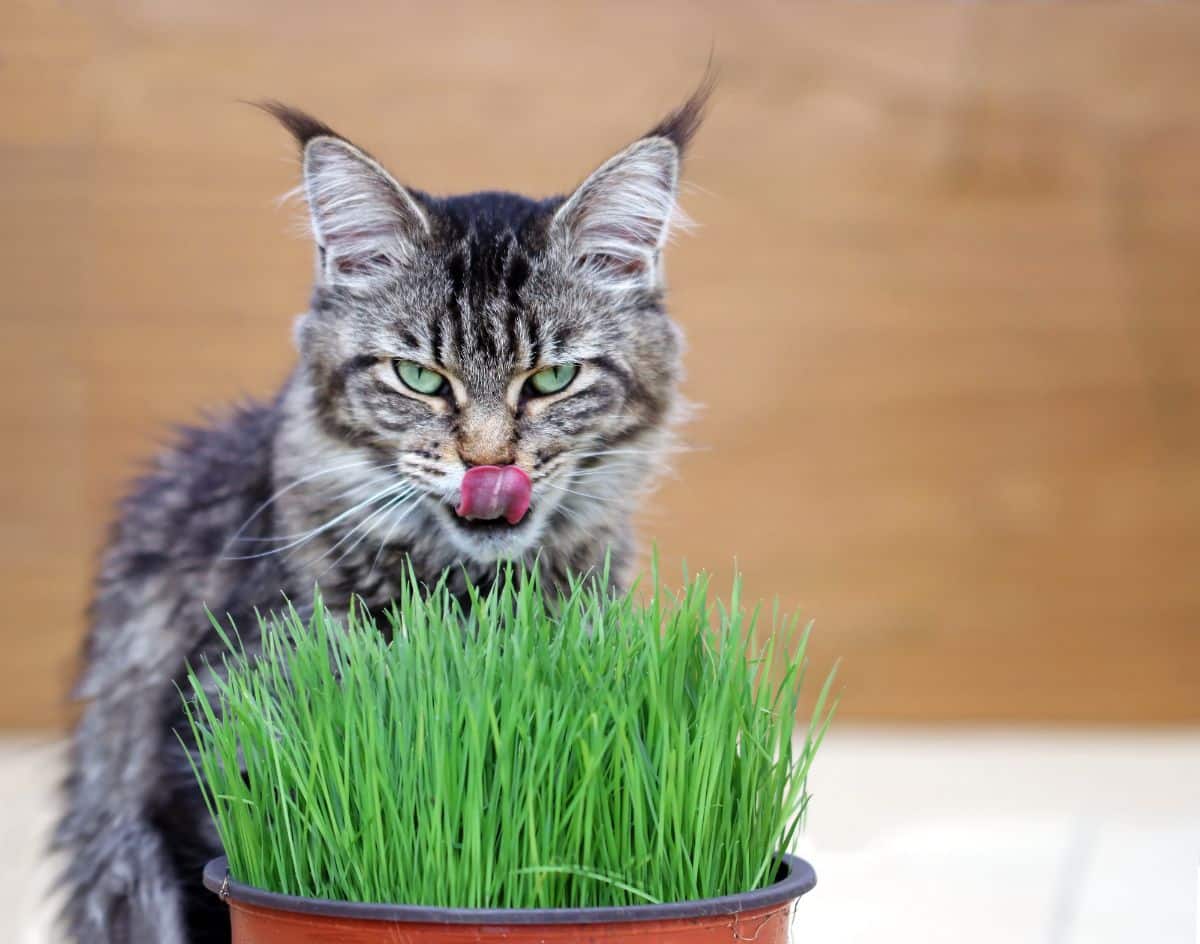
<point x="492" y="330"/>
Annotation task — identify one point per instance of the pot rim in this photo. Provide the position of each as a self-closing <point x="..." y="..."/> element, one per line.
<point x="798" y="879"/>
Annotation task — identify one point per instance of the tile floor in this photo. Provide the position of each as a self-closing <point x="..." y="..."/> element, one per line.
<point x="993" y="836"/>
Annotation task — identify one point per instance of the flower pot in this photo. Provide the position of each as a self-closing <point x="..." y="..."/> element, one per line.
<point x="762" y="916"/>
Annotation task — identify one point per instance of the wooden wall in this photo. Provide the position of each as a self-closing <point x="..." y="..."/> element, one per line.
<point x="942" y="305"/>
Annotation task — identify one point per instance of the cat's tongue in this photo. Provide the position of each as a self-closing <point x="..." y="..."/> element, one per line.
<point x="494" y="491"/>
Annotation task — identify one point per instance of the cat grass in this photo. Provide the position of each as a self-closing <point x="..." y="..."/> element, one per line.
<point x="511" y="752"/>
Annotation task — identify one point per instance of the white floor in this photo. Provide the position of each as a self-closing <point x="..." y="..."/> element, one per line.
<point x="1004" y="836"/>
<point x="918" y="835"/>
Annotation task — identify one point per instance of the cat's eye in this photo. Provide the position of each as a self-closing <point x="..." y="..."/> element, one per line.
<point x="419" y="379"/>
<point x="550" y="380"/>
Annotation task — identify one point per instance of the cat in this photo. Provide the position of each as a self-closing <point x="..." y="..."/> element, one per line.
<point x="480" y="378"/>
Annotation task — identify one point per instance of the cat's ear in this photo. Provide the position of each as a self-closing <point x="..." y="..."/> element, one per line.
<point x="617" y="222"/>
<point x="363" y="221"/>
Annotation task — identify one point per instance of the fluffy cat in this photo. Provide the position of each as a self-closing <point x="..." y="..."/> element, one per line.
<point x="480" y="377"/>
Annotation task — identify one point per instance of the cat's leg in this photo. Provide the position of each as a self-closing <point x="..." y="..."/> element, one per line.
<point x="120" y="883"/>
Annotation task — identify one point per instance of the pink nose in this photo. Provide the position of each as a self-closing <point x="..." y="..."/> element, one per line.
<point x="494" y="491"/>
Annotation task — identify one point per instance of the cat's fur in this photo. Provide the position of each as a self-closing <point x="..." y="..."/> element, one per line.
<point x="346" y="475"/>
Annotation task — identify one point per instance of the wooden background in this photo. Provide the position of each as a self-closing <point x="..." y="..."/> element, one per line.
<point x="942" y="305"/>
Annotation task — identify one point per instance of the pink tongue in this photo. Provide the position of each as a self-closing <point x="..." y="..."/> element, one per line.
<point x="494" y="491"/>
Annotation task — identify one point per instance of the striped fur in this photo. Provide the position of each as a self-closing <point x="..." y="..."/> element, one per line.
<point x="347" y="477"/>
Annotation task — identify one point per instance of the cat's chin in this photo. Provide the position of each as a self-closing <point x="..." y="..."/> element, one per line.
<point x="489" y="541"/>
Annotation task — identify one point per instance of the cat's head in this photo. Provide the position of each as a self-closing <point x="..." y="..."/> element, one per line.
<point x="493" y="330"/>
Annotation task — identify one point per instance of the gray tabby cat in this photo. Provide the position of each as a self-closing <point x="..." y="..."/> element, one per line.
<point x="481" y="377"/>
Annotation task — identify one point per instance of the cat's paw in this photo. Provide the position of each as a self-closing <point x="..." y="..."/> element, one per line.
<point x="120" y="888"/>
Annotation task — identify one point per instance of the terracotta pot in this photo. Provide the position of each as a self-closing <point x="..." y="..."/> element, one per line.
<point x="762" y="916"/>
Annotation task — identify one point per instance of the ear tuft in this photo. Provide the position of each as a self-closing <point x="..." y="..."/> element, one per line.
<point x="303" y="126"/>
<point x="617" y="221"/>
<point x="681" y="125"/>
<point x="364" y="222"/>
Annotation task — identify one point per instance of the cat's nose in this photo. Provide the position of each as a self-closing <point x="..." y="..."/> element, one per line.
<point x="501" y="457"/>
<point x="485" y="436"/>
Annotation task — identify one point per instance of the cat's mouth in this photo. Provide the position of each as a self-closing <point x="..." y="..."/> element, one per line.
<point x="494" y="492"/>
<point x="485" y="527"/>
<point x="493" y="501"/>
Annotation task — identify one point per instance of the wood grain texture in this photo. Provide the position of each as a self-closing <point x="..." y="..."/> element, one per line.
<point x="942" y="307"/>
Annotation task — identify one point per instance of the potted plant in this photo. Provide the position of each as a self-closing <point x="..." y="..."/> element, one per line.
<point x="599" y="767"/>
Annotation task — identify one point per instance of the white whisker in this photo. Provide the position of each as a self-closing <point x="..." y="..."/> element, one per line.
<point x="296" y="484"/>
<point x="655" y="451"/>
<point x="573" y="516"/>
<point x="388" y="536"/>
<point x="411" y="496"/>
<point x="346" y="493"/>
<point x="607" y="470"/>
<point x="383" y="544"/>
<point x="563" y="488"/>
<point x="309" y="535"/>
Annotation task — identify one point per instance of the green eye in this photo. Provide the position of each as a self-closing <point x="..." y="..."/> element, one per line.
<point x="418" y="378"/>
<point x="553" y="379"/>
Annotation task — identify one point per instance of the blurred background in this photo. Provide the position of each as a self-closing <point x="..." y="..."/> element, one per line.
<point x="942" y="313"/>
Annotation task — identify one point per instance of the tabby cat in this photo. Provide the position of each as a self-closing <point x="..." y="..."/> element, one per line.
<point x="480" y="377"/>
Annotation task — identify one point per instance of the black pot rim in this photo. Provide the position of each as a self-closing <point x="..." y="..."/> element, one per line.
<point x="798" y="878"/>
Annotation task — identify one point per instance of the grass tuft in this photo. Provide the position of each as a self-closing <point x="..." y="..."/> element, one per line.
<point x="509" y="753"/>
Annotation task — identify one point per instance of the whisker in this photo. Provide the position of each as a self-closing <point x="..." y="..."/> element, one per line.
<point x="388" y="536"/>
<point x="607" y="470"/>
<point x="309" y="535"/>
<point x="563" y="488"/>
<point x="364" y="523"/>
<point x="572" y="516"/>
<point x="296" y="484"/>
<point x="383" y="544"/>
<point x="410" y="497"/>
<point x="288" y="537"/>
<point x="622" y="467"/>
<point x="655" y="451"/>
